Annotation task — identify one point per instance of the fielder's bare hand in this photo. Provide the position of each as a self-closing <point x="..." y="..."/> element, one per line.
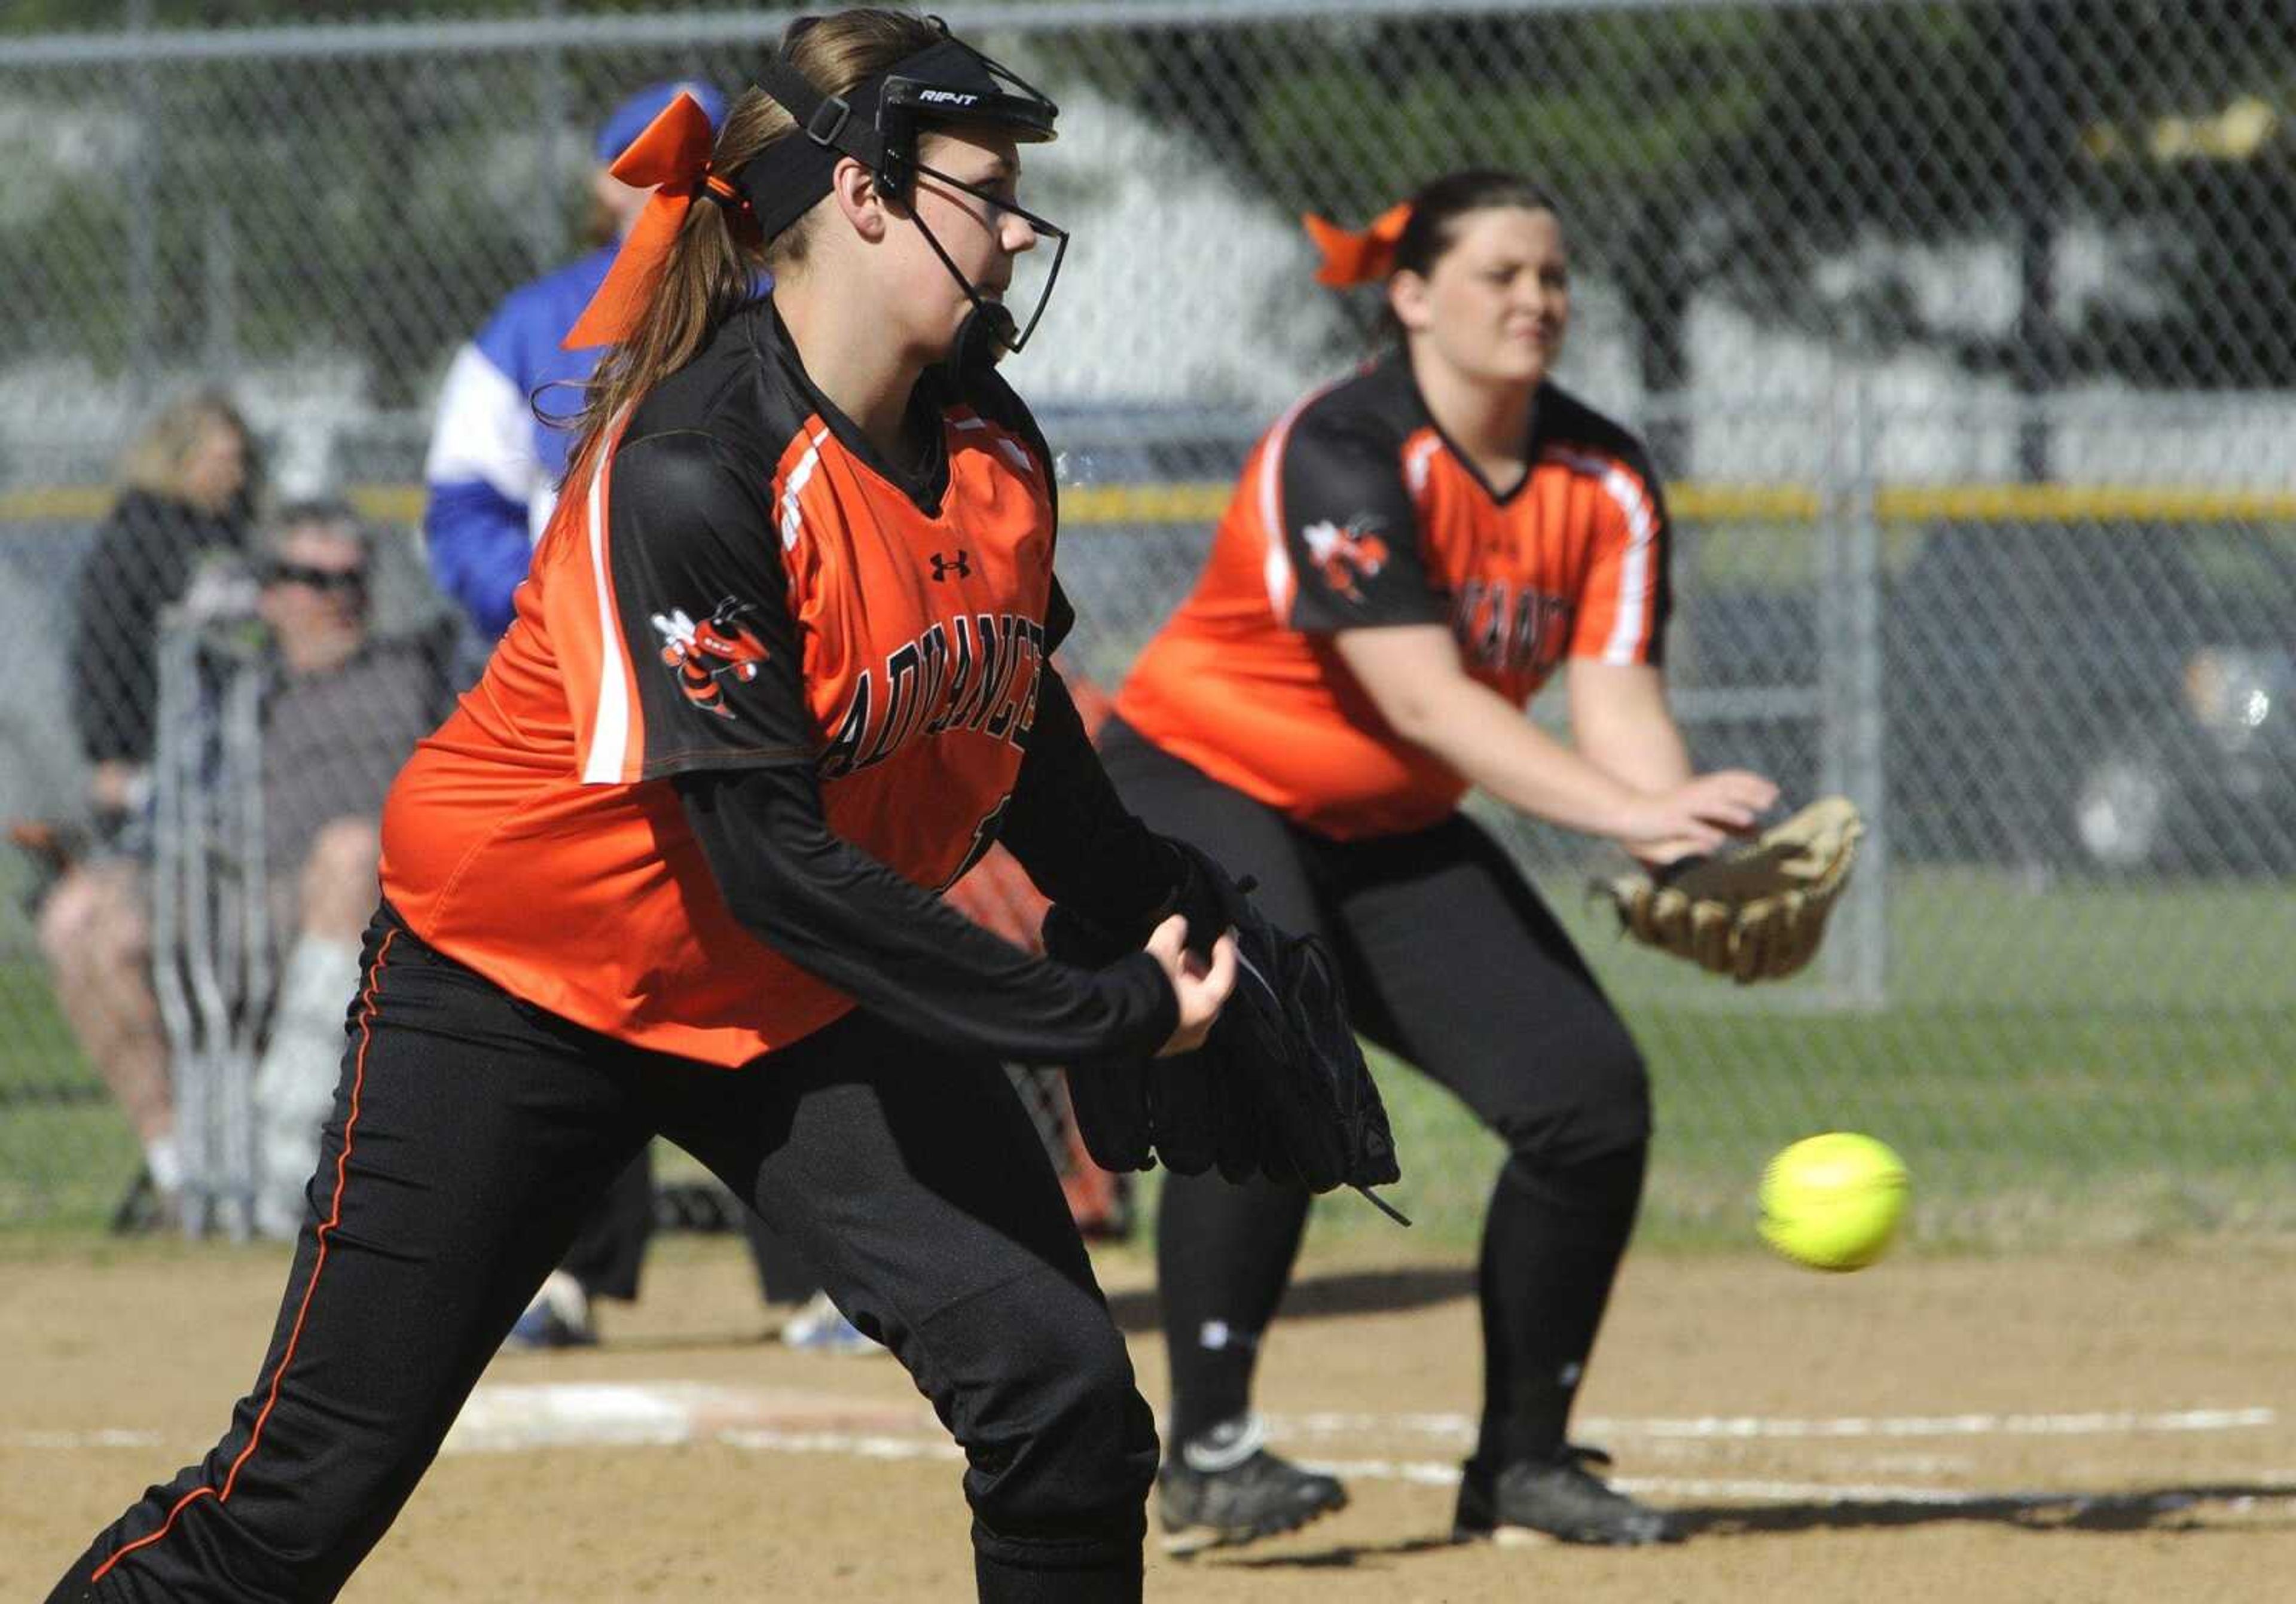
<point x="1699" y="816"/>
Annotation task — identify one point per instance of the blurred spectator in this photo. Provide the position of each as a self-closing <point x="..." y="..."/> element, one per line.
<point x="495" y="454"/>
<point x="189" y="484"/>
<point x="341" y="710"/>
<point x="345" y="708"/>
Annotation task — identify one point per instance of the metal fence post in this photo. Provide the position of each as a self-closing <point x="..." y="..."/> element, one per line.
<point x="1865" y="735"/>
<point x="549" y="229"/>
<point x="220" y="280"/>
<point x="1851" y="718"/>
<point x="141" y="355"/>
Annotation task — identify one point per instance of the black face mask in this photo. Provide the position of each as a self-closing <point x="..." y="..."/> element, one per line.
<point x="947" y="84"/>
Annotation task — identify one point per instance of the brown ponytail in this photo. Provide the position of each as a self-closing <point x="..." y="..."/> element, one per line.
<point x="713" y="263"/>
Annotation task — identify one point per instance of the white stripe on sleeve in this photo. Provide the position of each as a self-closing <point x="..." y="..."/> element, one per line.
<point x="610" y="728"/>
<point x="1638" y="591"/>
<point x="793" y="516"/>
<point x="1637" y="598"/>
<point x="1275" y="562"/>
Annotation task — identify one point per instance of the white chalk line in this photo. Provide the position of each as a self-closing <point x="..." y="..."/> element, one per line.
<point x="641" y="1414"/>
<point x="1445" y="1474"/>
<point x="1741" y="1428"/>
<point x="505" y="1416"/>
<point x="513" y="1417"/>
<point x="110" y="1436"/>
<point x="509" y="1417"/>
<point x="619" y="1430"/>
<point x="878" y="1446"/>
<point x="1416" y="1472"/>
<point x="522" y="1417"/>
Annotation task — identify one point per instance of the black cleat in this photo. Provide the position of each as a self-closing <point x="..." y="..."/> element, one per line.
<point x="1556" y="1500"/>
<point x="1225" y="1488"/>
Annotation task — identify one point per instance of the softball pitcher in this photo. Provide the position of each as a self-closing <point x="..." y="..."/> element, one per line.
<point x="778" y="675"/>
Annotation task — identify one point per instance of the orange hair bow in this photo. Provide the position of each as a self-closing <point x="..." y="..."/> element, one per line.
<point x="672" y="159"/>
<point x="1359" y="257"/>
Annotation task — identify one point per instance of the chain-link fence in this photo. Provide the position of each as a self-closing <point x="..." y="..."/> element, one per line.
<point x="1959" y="328"/>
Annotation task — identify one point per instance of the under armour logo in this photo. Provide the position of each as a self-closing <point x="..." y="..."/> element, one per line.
<point x="943" y="567"/>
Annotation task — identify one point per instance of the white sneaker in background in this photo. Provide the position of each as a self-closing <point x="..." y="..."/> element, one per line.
<point x="558" y="1317"/>
<point x="819" y="1328"/>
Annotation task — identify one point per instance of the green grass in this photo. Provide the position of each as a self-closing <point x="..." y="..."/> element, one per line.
<point x="2019" y="1133"/>
<point x="66" y="1154"/>
<point x="2058" y="1065"/>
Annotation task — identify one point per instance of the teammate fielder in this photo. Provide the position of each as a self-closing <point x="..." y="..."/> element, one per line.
<point x="670" y="866"/>
<point x="1409" y="554"/>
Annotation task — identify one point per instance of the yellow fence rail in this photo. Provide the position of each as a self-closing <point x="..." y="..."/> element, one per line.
<point x="1692" y="501"/>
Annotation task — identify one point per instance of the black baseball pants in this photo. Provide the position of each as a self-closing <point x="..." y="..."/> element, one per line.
<point x="471" y="1135"/>
<point x="1454" y="964"/>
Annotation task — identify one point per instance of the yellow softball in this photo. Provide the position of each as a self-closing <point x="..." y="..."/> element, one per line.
<point x="1833" y="1202"/>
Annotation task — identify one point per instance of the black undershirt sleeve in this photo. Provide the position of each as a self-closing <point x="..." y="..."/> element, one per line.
<point x="900" y="950"/>
<point x="1072" y="833"/>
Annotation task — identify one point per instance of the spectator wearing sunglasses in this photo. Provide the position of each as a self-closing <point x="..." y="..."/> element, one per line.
<point x="344" y="707"/>
<point x="341" y="710"/>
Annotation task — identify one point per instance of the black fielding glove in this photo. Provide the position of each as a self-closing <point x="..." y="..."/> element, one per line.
<point x="1110" y="1101"/>
<point x="1279" y="1088"/>
<point x="1299" y="1101"/>
<point x="1132" y="1114"/>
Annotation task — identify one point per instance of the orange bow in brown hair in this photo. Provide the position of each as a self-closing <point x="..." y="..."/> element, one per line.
<point x="672" y="159"/>
<point x="1363" y="258"/>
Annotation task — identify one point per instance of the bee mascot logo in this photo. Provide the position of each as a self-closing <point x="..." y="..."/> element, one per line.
<point x="704" y="655"/>
<point x="1346" y="556"/>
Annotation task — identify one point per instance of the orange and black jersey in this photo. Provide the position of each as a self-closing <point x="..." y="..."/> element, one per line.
<point x="1354" y="512"/>
<point x="763" y="696"/>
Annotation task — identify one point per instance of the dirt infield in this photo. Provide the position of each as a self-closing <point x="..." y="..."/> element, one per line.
<point x="2081" y="1429"/>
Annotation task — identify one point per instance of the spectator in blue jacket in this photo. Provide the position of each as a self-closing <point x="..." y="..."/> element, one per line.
<point x="495" y="461"/>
